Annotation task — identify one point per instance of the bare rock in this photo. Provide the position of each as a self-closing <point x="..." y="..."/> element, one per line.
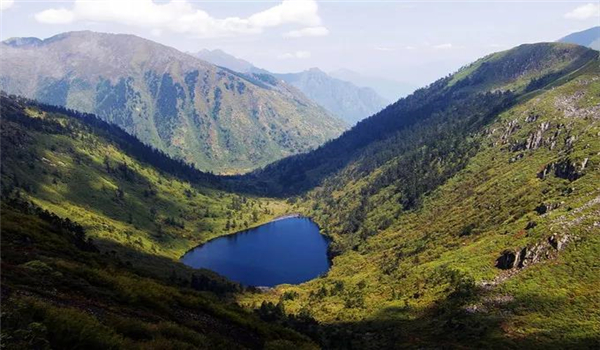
<point x="511" y="259"/>
<point x="508" y="260"/>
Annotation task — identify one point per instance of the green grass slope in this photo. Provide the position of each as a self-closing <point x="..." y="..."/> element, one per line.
<point x="120" y="190"/>
<point x="60" y="292"/>
<point x="92" y="225"/>
<point x="476" y="227"/>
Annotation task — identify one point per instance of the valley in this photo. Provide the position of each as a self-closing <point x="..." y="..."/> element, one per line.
<point x="158" y="201"/>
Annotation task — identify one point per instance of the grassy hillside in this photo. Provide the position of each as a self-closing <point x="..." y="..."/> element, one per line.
<point x="120" y="190"/>
<point x="60" y="292"/>
<point x="93" y="222"/>
<point x="476" y="227"/>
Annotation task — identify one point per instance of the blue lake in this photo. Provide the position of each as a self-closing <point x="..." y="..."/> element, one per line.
<point x="287" y="250"/>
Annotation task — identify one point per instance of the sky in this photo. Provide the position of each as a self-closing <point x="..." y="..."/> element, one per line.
<point x="408" y="41"/>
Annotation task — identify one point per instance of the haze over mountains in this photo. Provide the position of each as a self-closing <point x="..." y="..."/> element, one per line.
<point x="389" y="89"/>
<point x="342" y="98"/>
<point x="589" y="38"/>
<point x="215" y="118"/>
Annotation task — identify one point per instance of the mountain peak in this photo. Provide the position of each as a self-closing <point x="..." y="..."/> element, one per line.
<point x="315" y="70"/>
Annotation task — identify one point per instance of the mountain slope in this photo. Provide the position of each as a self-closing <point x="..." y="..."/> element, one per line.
<point x="470" y="96"/>
<point x="589" y="38"/>
<point x="212" y="117"/>
<point x="93" y="224"/>
<point x="343" y="99"/>
<point x="122" y="191"/>
<point x="468" y="219"/>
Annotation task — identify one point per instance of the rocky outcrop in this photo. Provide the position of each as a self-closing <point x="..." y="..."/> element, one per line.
<point x="531" y="254"/>
<point x="534" y="141"/>
<point x="564" y="169"/>
<point x="547" y="207"/>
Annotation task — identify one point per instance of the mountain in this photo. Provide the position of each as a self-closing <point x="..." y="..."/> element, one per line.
<point x="462" y="216"/>
<point x="223" y="59"/>
<point x="589" y="38"/>
<point x="341" y="98"/>
<point x="215" y="118"/>
<point x="93" y="225"/>
<point x="452" y="211"/>
<point x="390" y="89"/>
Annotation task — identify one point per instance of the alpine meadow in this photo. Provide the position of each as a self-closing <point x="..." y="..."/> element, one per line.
<point x="159" y="191"/>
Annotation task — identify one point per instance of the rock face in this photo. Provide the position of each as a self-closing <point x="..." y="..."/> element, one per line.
<point x="564" y="169"/>
<point x="217" y="119"/>
<point x="546" y="207"/>
<point x="531" y="254"/>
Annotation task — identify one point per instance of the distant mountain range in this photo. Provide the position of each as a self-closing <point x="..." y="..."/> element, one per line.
<point x="389" y="89"/>
<point x="589" y="37"/>
<point x="218" y="119"/>
<point x="344" y="99"/>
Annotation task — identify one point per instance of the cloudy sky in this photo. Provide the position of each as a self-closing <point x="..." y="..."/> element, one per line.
<point x="412" y="41"/>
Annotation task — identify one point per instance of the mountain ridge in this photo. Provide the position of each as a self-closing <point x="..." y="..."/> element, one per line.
<point x="343" y="99"/>
<point x="182" y="105"/>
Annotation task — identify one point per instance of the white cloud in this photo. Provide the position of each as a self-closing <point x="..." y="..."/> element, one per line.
<point x="410" y="47"/>
<point x="55" y="16"/>
<point x="289" y="11"/>
<point x="294" y="55"/>
<point x="384" y="48"/>
<point x="309" y="31"/>
<point x="584" y="12"/>
<point x="6" y="4"/>
<point x="181" y="16"/>
<point x="443" y="46"/>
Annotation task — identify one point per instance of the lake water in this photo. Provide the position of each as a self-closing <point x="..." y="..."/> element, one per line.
<point x="287" y="250"/>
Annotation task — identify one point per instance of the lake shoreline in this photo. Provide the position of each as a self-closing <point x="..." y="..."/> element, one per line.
<point x="247" y="258"/>
<point x="275" y="219"/>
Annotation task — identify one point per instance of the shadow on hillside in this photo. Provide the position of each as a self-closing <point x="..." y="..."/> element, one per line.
<point x="166" y="269"/>
<point x="449" y="325"/>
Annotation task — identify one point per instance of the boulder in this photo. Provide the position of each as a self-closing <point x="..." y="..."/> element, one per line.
<point x="520" y="258"/>
<point x="507" y="260"/>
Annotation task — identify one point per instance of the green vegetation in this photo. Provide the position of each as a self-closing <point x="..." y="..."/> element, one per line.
<point x="420" y="216"/>
<point x="60" y="292"/>
<point x="119" y="190"/>
<point x="465" y="215"/>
